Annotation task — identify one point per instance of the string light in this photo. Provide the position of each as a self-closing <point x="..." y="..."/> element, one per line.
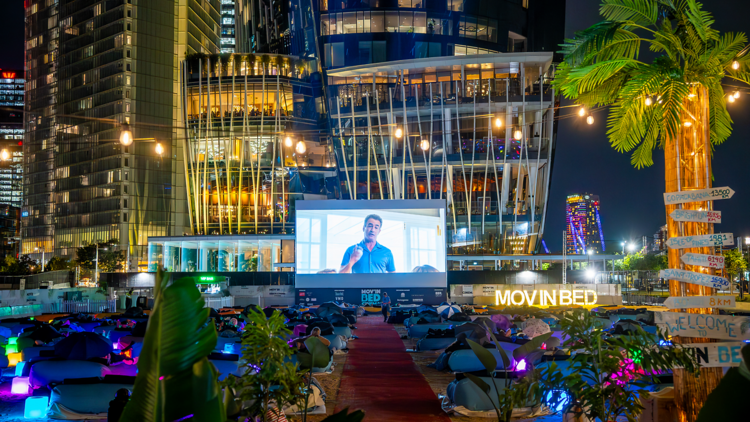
<point x="590" y="119"/>
<point x="730" y="98"/>
<point x="498" y="122"/>
<point x="425" y="144"/>
<point x="648" y="101"/>
<point x="736" y="94"/>
<point x="399" y="133"/>
<point x="688" y="123"/>
<point x="159" y="149"/>
<point x="301" y="148"/>
<point x="517" y="135"/>
<point x="582" y="111"/>
<point x="735" y="65"/>
<point x="288" y="141"/>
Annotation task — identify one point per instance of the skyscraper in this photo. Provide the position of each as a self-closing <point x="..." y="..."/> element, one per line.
<point x="228" y="39"/>
<point x="583" y="225"/>
<point x="11" y="137"/>
<point x="90" y="68"/>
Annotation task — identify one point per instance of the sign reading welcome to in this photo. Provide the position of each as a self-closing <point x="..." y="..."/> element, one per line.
<point x="701" y="325"/>
<point x="545" y="297"/>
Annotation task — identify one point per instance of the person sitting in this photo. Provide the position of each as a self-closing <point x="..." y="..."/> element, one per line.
<point x="461" y="343"/>
<point x="117" y="406"/>
<point x="300" y="342"/>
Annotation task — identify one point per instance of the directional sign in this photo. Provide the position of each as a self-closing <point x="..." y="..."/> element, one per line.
<point x="707" y="326"/>
<point x="716" y="239"/>
<point x="712" y="355"/>
<point x="696" y="216"/>
<point x="710" y="261"/>
<point x="680" y="302"/>
<point x="712" y="281"/>
<point x="671" y="198"/>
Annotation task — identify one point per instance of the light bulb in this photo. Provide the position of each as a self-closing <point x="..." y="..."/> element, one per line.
<point x="126" y="137"/>
<point x="4" y="155"/>
<point x="590" y="120"/>
<point x="399" y="133"/>
<point x="498" y="122"/>
<point x="288" y="141"/>
<point x="688" y="123"/>
<point x="159" y="149"/>
<point x="736" y="94"/>
<point x="301" y="148"/>
<point x="517" y="135"/>
<point x="648" y="101"/>
<point x="425" y="144"/>
<point x="735" y="65"/>
<point x="582" y="111"/>
<point x="730" y="98"/>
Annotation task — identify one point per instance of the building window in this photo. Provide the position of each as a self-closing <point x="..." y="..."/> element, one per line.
<point x="516" y="43"/>
<point x="365" y="52"/>
<point x="378" y="51"/>
<point x="416" y="4"/>
<point x="124" y="203"/>
<point x="124" y="217"/>
<point x="456" y="5"/>
<point x="335" y="54"/>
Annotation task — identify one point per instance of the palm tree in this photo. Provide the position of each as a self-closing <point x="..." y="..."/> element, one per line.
<point x="672" y="97"/>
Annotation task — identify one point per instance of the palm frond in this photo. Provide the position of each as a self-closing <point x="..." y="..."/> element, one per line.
<point x="644" y="12"/>
<point x="589" y="41"/>
<point x="673" y="93"/>
<point x="701" y="21"/>
<point x="590" y="77"/>
<point x="643" y="155"/>
<point x="719" y="120"/>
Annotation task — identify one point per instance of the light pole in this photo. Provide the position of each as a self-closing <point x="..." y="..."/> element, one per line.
<point x="37" y="249"/>
<point x="96" y="269"/>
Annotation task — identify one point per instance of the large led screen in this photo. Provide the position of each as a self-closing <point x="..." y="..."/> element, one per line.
<point x="370" y="243"/>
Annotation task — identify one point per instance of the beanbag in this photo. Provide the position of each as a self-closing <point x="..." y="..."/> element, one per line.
<point x="426" y="318"/>
<point x="434" y="343"/>
<point x="83" y="401"/>
<point x="116" y="335"/>
<point x="337" y="342"/>
<point x="5" y="332"/>
<point x="346" y="332"/>
<point x="465" y="393"/>
<point x="45" y="372"/>
<point x="420" y="330"/>
<point x="466" y="361"/>
<point x="299" y="330"/>
<point x="33" y="352"/>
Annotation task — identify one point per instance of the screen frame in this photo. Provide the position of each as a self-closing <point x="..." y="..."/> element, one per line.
<point x="388" y="280"/>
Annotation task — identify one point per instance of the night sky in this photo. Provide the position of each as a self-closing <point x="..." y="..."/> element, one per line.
<point x="631" y="200"/>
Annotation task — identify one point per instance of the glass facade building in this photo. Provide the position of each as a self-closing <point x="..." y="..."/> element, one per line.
<point x="90" y="68"/>
<point x="583" y="233"/>
<point x="11" y="137"/>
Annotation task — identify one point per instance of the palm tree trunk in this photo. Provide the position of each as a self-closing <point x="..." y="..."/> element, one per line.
<point x="688" y="167"/>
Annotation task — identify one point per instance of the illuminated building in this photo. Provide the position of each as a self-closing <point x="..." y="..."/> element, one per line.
<point x="583" y="225"/>
<point x="660" y="240"/>
<point x="228" y="41"/>
<point x="10" y="218"/>
<point x="90" y="68"/>
<point x="11" y="137"/>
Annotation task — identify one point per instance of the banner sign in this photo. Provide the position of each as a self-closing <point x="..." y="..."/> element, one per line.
<point x="703" y="260"/>
<point x="545" y="297"/>
<point x="696" y="216"/>
<point x="712" y="355"/>
<point x="680" y="302"/>
<point x="672" y="198"/>
<point x="721" y="327"/>
<point x="706" y="240"/>
<point x="701" y="279"/>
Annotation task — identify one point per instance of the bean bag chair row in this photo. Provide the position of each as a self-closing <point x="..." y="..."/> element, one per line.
<point x="83" y="401"/>
<point x="465" y="398"/>
<point x="56" y="371"/>
<point x="345" y="332"/>
<point x="5" y="333"/>
<point x="426" y="318"/>
<point x="30" y="353"/>
<point x="466" y="361"/>
<point x="434" y="343"/>
<point x="420" y="330"/>
<point x="337" y="342"/>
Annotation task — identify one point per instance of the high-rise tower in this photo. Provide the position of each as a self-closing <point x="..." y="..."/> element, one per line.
<point x="583" y="224"/>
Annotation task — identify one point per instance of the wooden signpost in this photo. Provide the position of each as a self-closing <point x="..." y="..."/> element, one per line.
<point x="703" y="260"/>
<point x="721" y="327"/>
<point x="702" y="241"/>
<point x="680" y="302"/>
<point x="701" y="279"/>
<point x="712" y="355"/>
<point x="696" y="216"/>
<point x="682" y="197"/>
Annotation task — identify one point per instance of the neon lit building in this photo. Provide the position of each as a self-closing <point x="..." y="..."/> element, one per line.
<point x="11" y="137"/>
<point x="583" y="224"/>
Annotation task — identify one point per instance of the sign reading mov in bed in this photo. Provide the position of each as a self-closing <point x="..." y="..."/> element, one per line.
<point x="545" y="297"/>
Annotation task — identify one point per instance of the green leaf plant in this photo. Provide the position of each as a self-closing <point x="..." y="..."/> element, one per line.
<point x="509" y="395"/>
<point x="608" y="375"/>
<point x="175" y="379"/>
<point x="604" y="67"/>
<point x="271" y="380"/>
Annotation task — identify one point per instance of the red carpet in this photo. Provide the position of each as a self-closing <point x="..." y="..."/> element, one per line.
<point x="381" y="379"/>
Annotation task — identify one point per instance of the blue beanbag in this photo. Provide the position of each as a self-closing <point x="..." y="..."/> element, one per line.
<point x="343" y="331"/>
<point x="420" y="330"/>
<point x="434" y="343"/>
<point x="465" y="393"/>
<point x="466" y="361"/>
<point x="336" y="342"/>
<point x="83" y="399"/>
<point x="45" y="372"/>
<point x="32" y="352"/>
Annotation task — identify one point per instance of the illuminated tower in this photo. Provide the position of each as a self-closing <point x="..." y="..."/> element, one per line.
<point x="583" y="224"/>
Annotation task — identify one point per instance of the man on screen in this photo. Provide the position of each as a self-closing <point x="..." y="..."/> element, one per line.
<point x="368" y="256"/>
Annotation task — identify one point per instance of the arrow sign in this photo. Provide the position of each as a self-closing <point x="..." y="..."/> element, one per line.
<point x="723" y="327"/>
<point x="680" y="302"/>
<point x="710" y="261"/>
<point x="706" y="240"/>
<point x="672" y="198"/>
<point x="712" y="281"/>
<point x="696" y="216"/>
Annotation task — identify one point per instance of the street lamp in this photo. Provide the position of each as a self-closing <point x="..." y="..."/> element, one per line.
<point x="631" y="247"/>
<point x="126" y="139"/>
<point x="37" y="249"/>
<point x="623" y="247"/>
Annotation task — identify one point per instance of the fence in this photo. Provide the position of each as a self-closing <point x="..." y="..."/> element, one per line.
<point x="219" y="302"/>
<point x="638" y="300"/>
<point x="80" y="306"/>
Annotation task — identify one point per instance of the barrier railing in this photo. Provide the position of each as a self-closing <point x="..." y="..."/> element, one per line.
<point x="80" y="306"/>
<point x="219" y="302"/>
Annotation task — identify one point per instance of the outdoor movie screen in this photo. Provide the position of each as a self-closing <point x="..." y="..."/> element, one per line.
<point x="370" y="243"/>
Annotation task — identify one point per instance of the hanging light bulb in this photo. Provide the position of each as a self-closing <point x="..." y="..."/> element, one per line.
<point x="736" y="94"/>
<point x="288" y="141"/>
<point x="159" y="149"/>
<point x="301" y="148"/>
<point x="4" y="155"/>
<point x="688" y="123"/>
<point x="126" y="136"/>
<point x="735" y="65"/>
<point x="730" y="98"/>
<point x="498" y="122"/>
<point x="425" y="144"/>
<point x="517" y="135"/>
<point x="582" y="111"/>
<point x="590" y="119"/>
<point x="648" y="101"/>
<point x="399" y="133"/>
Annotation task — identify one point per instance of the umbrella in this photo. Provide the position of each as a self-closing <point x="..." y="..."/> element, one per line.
<point x="486" y="322"/>
<point x="45" y="333"/>
<point x="535" y="327"/>
<point x="446" y="311"/>
<point x="473" y="331"/>
<point x="83" y="346"/>
<point x="502" y="322"/>
<point x="252" y="306"/>
<point x="328" y="308"/>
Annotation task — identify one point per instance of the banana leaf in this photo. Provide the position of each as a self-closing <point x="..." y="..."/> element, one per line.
<point x="530" y="346"/>
<point x="175" y="379"/>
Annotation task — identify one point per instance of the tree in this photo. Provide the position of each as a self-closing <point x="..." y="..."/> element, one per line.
<point x="86" y="256"/>
<point x="675" y="102"/>
<point x="57" y="263"/>
<point x="734" y="263"/>
<point x="19" y="266"/>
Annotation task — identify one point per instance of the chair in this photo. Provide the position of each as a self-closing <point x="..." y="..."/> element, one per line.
<point x="317" y="358"/>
